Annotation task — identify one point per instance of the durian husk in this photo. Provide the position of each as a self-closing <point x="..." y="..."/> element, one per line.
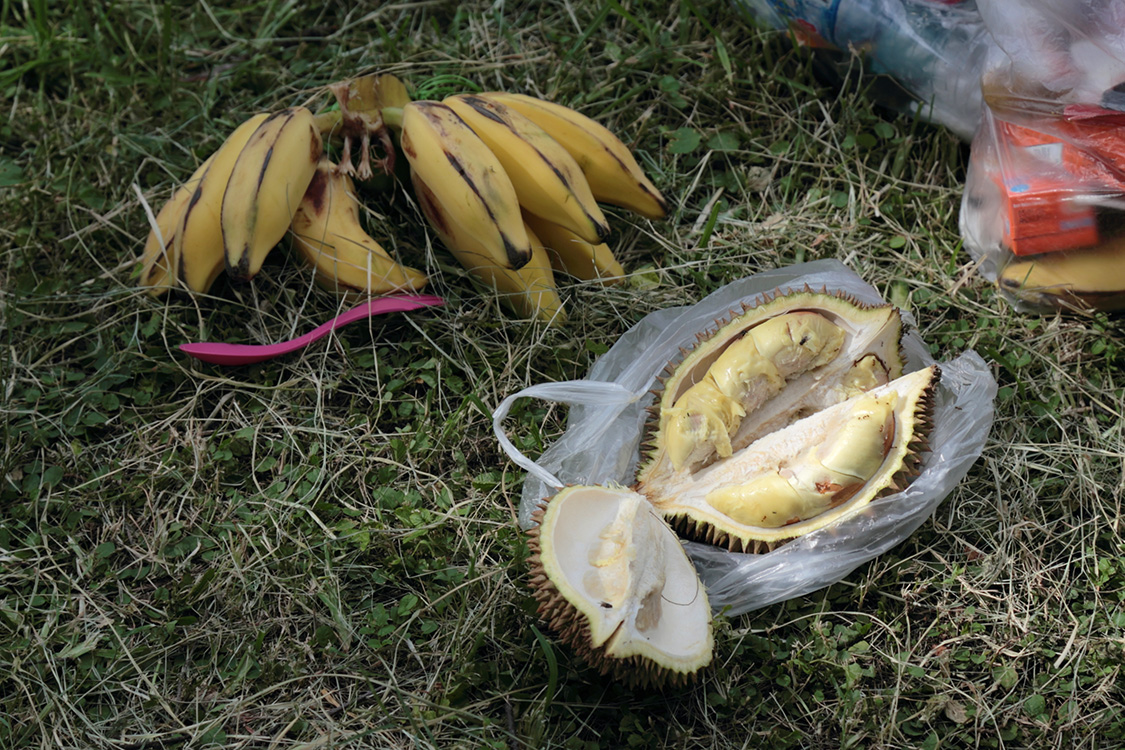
<point x="565" y="609"/>
<point x="682" y="503"/>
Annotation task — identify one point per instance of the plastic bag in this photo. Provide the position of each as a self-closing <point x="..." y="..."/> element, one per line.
<point x="601" y="444"/>
<point x="1043" y="210"/>
<point x="926" y="55"/>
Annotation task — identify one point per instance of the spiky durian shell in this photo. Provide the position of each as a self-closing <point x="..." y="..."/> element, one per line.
<point x="573" y="628"/>
<point x="895" y="476"/>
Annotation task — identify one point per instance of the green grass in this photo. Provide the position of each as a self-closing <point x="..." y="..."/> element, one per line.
<point x="321" y="551"/>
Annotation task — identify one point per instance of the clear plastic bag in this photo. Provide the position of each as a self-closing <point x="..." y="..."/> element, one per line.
<point x="926" y="55"/>
<point x="601" y="444"/>
<point x="1043" y="210"/>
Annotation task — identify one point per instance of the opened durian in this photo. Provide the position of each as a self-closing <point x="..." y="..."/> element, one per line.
<point x="788" y="357"/>
<point x="781" y="421"/>
<point x="807" y="475"/>
<point x="708" y="466"/>
<point x="614" y="582"/>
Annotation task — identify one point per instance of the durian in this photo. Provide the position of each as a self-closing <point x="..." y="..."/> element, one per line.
<point x="783" y="420"/>
<point x="788" y="357"/>
<point x="806" y="475"/>
<point x="613" y="581"/>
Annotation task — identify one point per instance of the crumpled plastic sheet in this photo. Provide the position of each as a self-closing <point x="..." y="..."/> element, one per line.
<point x="608" y="411"/>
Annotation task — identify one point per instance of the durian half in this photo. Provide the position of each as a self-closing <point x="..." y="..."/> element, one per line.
<point x="613" y="581"/>
<point x="808" y="474"/>
<point x="790" y="356"/>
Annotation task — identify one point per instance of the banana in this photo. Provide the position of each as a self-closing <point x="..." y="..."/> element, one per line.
<point x="468" y="185"/>
<point x="611" y="170"/>
<point x="198" y="243"/>
<point x="529" y="290"/>
<point x="1090" y="278"/>
<point x="328" y="235"/>
<point x="548" y="181"/>
<point x="571" y="254"/>
<point x="159" y="262"/>
<point x="266" y="184"/>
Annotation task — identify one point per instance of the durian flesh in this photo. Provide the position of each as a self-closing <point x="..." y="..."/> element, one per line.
<point x="775" y="363"/>
<point x="613" y="580"/>
<point x="808" y="474"/>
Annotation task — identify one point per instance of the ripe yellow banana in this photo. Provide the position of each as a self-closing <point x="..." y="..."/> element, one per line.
<point x="198" y="244"/>
<point x="529" y="290"/>
<point x="266" y="184"/>
<point x="159" y="262"/>
<point x="328" y="234"/>
<point x="548" y="180"/>
<point x="612" y="171"/>
<point x="468" y="185"/>
<point x="571" y="254"/>
<point x="1092" y="278"/>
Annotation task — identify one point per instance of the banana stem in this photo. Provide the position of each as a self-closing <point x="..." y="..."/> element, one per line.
<point x="392" y="116"/>
<point x="326" y="122"/>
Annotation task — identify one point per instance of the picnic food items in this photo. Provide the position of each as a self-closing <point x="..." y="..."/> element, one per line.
<point x="512" y="165"/>
<point x="611" y="170"/>
<point x="1042" y="209"/>
<point x="467" y="192"/>
<point x="1086" y="278"/>
<point x="237" y="205"/>
<point x="612" y="579"/>
<point x="265" y="187"/>
<point x="490" y="173"/>
<point x="806" y="475"/>
<point x="797" y="417"/>
<point x="547" y="179"/>
<point x="791" y="354"/>
<point x="570" y="254"/>
<point x="194" y="209"/>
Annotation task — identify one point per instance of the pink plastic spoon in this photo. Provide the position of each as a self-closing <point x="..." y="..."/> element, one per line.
<point x="246" y="354"/>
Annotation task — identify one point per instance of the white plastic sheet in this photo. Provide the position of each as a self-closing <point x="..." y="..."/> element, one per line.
<point x="608" y="412"/>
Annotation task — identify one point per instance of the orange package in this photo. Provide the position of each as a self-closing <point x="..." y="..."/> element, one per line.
<point x="1052" y="190"/>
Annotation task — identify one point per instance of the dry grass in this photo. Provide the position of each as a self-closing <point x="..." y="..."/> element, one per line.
<point x="321" y="551"/>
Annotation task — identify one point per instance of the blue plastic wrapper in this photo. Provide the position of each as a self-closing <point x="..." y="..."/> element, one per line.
<point x="929" y="53"/>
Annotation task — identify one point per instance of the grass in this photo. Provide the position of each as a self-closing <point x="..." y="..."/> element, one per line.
<point x="321" y="551"/>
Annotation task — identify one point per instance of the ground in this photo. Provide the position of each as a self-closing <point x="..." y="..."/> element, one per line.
<point x="322" y="550"/>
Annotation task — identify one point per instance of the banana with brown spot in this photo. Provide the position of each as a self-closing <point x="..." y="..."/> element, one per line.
<point x="198" y="243"/>
<point x="159" y="262"/>
<point x="266" y="185"/>
<point x="548" y="181"/>
<point x="570" y="254"/>
<point x="329" y="236"/>
<point x="468" y="192"/>
<point x="529" y="290"/>
<point x="611" y="170"/>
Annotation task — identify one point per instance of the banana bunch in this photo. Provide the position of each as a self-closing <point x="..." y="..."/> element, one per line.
<point x="236" y="207"/>
<point x="511" y="185"/>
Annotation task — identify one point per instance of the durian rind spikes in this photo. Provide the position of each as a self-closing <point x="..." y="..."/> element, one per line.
<point x="809" y="475"/>
<point x="612" y="580"/>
